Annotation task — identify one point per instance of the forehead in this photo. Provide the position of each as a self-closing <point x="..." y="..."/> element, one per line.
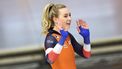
<point x="64" y="11"/>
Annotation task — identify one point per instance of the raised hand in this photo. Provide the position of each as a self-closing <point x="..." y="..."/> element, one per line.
<point x="64" y="33"/>
<point x="83" y="30"/>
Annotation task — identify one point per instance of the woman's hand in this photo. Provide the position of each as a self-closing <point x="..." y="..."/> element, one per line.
<point x="64" y="33"/>
<point x="83" y="30"/>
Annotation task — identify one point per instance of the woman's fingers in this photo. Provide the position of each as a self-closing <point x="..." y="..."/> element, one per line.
<point x="83" y="24"/>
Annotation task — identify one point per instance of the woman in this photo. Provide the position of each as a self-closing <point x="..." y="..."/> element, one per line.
<point x="60" y="45"/>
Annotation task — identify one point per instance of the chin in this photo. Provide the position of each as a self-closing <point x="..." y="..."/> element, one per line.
<point x="68" y="27"/>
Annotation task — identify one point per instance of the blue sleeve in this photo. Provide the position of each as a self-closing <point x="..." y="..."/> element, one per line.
<point x="50" y="41"/>
<point x="77" y="47"/>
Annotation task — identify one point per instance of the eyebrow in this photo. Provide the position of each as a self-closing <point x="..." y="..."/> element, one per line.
<point x="68" y="13"/>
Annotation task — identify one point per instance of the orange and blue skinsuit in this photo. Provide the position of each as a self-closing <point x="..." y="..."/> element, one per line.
<point x="63" y="57"/>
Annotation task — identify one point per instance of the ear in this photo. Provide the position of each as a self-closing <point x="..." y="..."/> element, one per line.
<point x="55" y="19"/>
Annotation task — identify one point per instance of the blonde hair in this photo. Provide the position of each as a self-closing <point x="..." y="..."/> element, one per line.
<point x="50" y="11"/>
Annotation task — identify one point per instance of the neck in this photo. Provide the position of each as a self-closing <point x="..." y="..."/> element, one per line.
<point x="56" y="29"/>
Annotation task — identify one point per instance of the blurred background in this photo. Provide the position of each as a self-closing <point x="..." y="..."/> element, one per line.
<point x="22" y="44"/>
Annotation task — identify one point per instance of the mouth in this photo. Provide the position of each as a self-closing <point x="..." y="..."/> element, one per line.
<point x="68" y="23"/>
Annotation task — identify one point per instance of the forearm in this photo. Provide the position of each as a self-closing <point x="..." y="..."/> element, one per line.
<point x="53" y="53"/>
<point x="87" y="47"/>
<point x="87" y="50"/>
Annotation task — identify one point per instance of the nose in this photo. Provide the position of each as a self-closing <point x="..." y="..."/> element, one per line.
<point x="69" y="18"/>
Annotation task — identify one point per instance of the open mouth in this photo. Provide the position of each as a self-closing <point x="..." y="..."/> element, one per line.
<point x="68" y="23"/>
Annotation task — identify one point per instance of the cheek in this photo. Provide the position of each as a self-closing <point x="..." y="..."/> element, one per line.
<point x="63" y="21"/>
<point x="65" y="26"/>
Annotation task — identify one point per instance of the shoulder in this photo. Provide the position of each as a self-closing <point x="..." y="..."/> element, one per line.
<point x="50" y="41"/>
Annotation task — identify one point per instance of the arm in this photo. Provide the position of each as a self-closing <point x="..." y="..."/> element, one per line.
<point x="50" y="48"/>
<point x="83" y="30"/>
<point x="53" y="48"/>
<point x="78" y="48"/>
<point x="87" y="46"/>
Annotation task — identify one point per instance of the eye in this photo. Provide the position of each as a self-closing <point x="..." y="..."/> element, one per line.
<point x="65" y="16"/>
